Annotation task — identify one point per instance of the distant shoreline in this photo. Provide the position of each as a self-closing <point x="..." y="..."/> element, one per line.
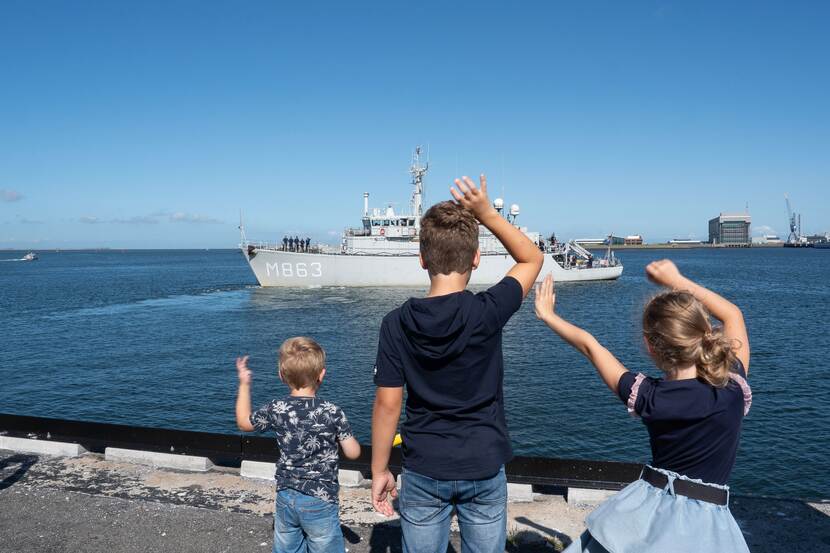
<point x="593" y="247"/>
<point x="116" y="250"/>
<point x="667" y="246"/>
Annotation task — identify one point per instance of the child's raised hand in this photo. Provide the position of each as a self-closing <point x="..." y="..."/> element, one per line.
<point x="545" y="298"/>
<point x="473" y="198"/>
<point x="665" y="273"/>
<point x="243" y="370"/>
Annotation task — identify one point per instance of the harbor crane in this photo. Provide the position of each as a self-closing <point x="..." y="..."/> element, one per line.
<point x="794" y="238"/>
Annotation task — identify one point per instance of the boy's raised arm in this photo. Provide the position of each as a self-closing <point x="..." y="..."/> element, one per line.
<point x="243" y="396"/>
<point x="665" y="273"/>
<point x="527" y="255"/>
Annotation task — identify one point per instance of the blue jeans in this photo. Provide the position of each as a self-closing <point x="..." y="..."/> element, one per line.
<point x="426" y="505"/>
<point x="304" y="523"/>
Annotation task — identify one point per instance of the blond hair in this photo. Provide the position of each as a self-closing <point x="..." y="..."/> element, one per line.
<point x="448" y="239"/>
<point x="680" y="334"/>
<point x="301" y="362"/>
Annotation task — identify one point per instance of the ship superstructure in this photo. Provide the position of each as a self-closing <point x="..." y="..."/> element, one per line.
<point x="383" y="251"/>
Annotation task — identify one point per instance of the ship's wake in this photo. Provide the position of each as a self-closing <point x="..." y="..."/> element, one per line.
<point x="210" y="299"/>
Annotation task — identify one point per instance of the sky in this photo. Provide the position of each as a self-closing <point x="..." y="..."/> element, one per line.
<point x="153" y="124"/>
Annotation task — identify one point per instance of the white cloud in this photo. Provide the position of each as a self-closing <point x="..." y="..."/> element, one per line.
<point x="193" y="218"/>
<point x="154" y="218"/>
<point x="137" y="220"/>
<point x="10" y="195"/>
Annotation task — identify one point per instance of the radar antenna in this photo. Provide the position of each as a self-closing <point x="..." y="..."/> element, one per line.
<point x="243" y="239"/>
<point x="418" y="192"/>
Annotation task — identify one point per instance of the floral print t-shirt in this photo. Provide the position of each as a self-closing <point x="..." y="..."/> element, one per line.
<point x="307" y="430"/>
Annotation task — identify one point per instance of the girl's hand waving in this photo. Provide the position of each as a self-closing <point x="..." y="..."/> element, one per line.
<point x="545" y="298"/>
<point x="665" y="273"/>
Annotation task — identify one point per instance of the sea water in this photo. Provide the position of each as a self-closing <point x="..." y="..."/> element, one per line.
<point x="150" y="337"/>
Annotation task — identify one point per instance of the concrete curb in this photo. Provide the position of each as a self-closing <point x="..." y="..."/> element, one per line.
<point x="265" y="471"/>
<point x="519" y="493"/>
<point x="350" y="478"/>
<point x="152" y="458"/>
<point x="257" y="469"/>
<point x="585" y="496"/>
<point x="44" y="447"/>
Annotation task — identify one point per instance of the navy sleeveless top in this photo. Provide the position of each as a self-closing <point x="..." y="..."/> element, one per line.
<point x="694" y="427"/>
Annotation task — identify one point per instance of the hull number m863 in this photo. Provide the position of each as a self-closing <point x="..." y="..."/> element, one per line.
<point x="300" y="270"/>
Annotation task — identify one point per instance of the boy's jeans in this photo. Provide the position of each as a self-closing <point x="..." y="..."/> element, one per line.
<point x="302" y="521"/>
<point x="426" y="505"/>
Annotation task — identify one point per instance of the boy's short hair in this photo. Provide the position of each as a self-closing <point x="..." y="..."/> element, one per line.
<point x="301" y="362"/>
<point x="448" y="238"/>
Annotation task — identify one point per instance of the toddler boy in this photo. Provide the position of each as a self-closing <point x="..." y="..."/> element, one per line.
<point x="308" y="429"/>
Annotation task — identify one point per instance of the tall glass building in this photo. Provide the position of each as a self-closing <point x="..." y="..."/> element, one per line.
<point x="730" y="230"/>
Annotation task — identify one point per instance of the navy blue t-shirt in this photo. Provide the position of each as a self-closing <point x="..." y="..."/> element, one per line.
<point x="694" y="427"/>
<point x="447" y="351"/>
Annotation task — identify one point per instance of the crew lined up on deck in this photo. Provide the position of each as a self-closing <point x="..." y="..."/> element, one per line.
<point x="296" y="244"/>
<point x="446" y="350"/>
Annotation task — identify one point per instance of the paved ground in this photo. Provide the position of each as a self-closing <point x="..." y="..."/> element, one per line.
<point x="88" y="504"/>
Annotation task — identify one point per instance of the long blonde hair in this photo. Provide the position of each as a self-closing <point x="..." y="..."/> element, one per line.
<point x="679" y="333"/>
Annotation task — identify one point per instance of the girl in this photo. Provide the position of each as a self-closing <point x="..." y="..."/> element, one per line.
<point x="693" y="416"/>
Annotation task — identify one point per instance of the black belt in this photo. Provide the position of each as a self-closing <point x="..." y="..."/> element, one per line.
<point x="692" y="490"/>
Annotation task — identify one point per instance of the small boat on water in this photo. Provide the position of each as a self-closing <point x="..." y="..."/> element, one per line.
<point x="31" y="256"/>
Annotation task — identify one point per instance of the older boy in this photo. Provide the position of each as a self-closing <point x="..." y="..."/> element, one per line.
<point x="308" y="430"/>
<point x="446" y="349"/>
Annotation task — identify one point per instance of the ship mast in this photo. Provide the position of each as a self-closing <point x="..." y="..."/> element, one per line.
<point x="417" y="171"/>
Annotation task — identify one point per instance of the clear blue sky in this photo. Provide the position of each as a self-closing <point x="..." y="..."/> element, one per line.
<point x="150" y="124"/>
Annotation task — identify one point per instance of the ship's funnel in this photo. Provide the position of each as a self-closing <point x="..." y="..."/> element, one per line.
<point x="365" y="204"/>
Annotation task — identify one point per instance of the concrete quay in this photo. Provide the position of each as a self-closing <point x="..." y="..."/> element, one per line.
<point x="88" y="503"/>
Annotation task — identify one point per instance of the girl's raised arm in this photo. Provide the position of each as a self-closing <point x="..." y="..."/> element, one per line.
<point x="665" y="273"/>
<point x="609" y="369"/>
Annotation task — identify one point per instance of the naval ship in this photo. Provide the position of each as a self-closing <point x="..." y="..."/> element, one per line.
<point x="383" y="251"/>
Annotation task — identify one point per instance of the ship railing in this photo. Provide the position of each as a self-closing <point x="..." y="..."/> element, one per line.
<point x="278" y="246"/>
<point x="265" y="245"/>
<point x="380" y="254"/>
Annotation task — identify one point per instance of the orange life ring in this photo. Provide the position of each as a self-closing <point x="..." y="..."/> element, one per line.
<point x="382" y="231"/>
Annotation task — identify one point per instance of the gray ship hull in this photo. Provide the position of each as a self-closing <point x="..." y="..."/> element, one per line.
<point x="295" y="269"/>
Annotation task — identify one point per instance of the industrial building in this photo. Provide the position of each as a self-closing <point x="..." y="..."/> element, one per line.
<point x="634" y="240"/>
<point x="730" y="230"/>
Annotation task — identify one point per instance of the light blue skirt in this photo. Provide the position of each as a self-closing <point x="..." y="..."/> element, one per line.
<point x="645" y="519"/>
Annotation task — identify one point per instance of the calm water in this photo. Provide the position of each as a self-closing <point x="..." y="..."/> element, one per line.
<point x="150" y="337"/>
